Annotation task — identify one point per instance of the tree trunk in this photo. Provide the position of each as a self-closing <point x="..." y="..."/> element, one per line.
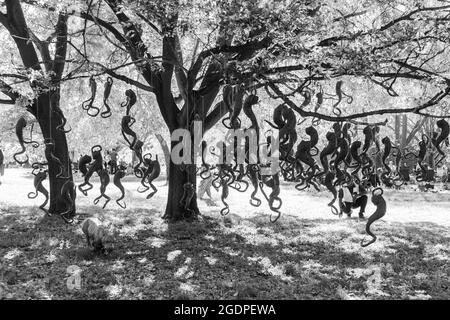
<point x="49" y="121"/>
<point x="166" y="152"/>
<point x="47" y="101"/>
<point x="177" y="178"/>
<point x="397" y="129"/>
<point x="404" y="131"/>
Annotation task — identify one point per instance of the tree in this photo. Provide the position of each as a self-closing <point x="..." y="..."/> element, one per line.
<point x="43" y="74"/>
<point x="289" y="50"/>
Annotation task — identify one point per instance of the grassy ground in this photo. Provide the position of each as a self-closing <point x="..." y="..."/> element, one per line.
<point x="307" y="254"/>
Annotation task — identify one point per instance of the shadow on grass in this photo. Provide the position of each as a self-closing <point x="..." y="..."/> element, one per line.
<point x="223" y="258"/>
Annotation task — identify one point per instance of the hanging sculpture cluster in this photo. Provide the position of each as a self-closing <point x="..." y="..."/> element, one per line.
<point x="146" y="169"/>
<point x="342" y="160"/>
<point x="40" y="169"/>
<point x="225" y="174"/>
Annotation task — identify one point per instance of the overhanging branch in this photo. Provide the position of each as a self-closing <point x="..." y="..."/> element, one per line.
<point x="304" y="113"/>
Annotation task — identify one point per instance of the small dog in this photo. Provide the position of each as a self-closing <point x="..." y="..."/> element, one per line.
<point x="97" y="237"/>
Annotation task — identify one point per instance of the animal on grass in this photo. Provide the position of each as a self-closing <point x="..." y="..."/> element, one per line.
<point x="97" y="236"/>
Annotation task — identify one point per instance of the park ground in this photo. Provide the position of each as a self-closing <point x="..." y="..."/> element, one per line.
<point x="307" y="254"/>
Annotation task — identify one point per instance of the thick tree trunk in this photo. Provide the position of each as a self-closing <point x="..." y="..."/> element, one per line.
<point x="49" y="121"/>
<point x="179" y="175"/>
<point x="404" y="131"/>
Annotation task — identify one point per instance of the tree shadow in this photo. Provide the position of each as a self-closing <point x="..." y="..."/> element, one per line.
<point x="226" y="258"/>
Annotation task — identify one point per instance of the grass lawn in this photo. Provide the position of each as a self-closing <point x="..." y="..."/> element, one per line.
<point x="307" y="254"/>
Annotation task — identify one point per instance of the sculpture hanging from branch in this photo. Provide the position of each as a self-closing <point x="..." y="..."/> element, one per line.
<point x="380" y="203"/>
<point x="40" y="174"/>
<point x="108" y="85"/>
<point x="118" y="176"/>
<point x="20" y="125"/>
<point x="88" y="104"/>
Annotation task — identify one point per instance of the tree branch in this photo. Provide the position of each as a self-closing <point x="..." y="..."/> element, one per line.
<point x="417" y="110"/>
<point x="2" y="101"/>
<point x="409" y="15"/>
<point x="7" y="90"/>
<point x="61" y="46"/>
<point x="138" y="51"/>
<point x="210" y="84"/>
<point x="18" y="29"/>
<point x="105" y="24"/>
<point x="112" y="73"/>
<point x="4" y="20"/>
<point x="169" y="54"/>
<point x="42" y="46"/>
<point x="179" y="73"/>
<point x="333" y="40"/>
